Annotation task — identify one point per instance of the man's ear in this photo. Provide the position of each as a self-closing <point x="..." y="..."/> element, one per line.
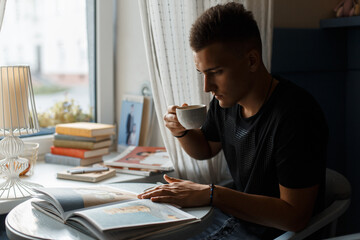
<point x="254" y="60"/>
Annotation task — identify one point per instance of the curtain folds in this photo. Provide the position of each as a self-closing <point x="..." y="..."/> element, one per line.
<point x="174" y="79"/>
<point x="2" y="11"/>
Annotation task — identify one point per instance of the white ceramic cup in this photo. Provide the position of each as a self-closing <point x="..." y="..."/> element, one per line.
<point x="192" y="116"/>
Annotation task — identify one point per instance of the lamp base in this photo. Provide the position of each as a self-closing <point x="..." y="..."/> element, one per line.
<point x="15" y="188"/>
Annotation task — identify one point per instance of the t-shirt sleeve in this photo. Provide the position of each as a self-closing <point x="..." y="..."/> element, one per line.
<point x="210" y="128"/>
<point x="301" y="148"/>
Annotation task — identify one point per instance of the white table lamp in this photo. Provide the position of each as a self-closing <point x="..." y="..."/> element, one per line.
<point x="17" y="117"/>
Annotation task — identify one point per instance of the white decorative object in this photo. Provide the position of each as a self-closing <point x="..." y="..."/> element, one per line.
<point x="17" y="117"/>
<point x="30" y="153"/>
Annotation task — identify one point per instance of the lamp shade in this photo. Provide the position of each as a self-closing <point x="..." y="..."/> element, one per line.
<point x="17" y="106"/>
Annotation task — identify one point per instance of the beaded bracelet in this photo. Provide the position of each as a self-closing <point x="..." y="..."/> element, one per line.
<point x="186" y="131"/>
<point x="212" y="187"/>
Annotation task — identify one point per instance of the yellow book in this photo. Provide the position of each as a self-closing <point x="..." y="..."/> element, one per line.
<point x="85" y="129"/>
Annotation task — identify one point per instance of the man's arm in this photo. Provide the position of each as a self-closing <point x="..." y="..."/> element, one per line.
<point x="290" y="212"/>
<point x="194" y="142"/>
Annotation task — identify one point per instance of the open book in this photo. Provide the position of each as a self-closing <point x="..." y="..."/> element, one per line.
<point x="104" y="212"/>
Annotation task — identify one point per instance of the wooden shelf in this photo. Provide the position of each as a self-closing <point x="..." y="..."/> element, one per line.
<point x="340" y="22"/>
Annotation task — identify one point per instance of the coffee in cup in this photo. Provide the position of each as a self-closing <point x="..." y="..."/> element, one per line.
<point x="192" y="116"/>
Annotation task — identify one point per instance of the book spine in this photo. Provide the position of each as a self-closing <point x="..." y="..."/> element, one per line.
<point x="72" y="152"/>
<point x="141" y="166"/>
<point x="73" y="144"/>
<point x="62" y="160"/>
<point x="73" y="131"/>
<point x="75" y="177"/>
<point x="134" y="172"/>
<point x="73" y="138"/>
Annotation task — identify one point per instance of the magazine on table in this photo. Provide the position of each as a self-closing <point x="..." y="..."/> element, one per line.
<point x="106" y="212"/>
<point x="152" y="158"/>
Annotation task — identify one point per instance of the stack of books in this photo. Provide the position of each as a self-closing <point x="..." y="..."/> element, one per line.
<point x="80" y="143"/>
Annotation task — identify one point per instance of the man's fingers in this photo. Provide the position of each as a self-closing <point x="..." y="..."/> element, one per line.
<point x="164" y="199"/>
<point x="156" y="193"/>
<point x="170" y="117"/>
<point x="175" y="127"/>
<point x="172" y="108"/>
<point x="171" y="179"/>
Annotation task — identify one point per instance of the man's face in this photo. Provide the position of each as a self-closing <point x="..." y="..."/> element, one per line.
<point x="226" y="73"/>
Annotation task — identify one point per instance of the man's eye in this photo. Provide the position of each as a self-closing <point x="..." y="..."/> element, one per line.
<point x="218" y="72"/>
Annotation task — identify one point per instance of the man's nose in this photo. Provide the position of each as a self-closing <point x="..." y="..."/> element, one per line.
<point x="207" y="84"/>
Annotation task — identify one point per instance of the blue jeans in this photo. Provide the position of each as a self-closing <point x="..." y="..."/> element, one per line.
<point x="224" y="227"/>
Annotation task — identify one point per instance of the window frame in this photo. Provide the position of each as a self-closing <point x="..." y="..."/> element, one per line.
<point x="105" y="12"/>
<point x="105" y="58"/>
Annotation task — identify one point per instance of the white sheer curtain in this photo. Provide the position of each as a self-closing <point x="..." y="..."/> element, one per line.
<point x="2" y="11"/>
<point x="174" y="79"/>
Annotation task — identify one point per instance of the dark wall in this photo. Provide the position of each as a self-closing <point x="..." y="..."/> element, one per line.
<point x="326" y="62"/>
<point x="353" y="124"/>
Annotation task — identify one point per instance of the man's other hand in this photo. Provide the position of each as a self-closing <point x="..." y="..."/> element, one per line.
<point x="182" y="193"/>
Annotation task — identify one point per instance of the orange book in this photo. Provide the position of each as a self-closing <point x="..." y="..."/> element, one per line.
<point x="80" y="153"/>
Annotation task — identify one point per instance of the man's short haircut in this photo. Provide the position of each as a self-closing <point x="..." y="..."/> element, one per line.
<point x="230" y="22"/>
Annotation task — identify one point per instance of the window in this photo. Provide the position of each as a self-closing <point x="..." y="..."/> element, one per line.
<point x="56" y="39"/>
<point x="89" y="47"/>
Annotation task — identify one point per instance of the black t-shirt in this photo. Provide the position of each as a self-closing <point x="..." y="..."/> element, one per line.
<point x="283" y="143"/>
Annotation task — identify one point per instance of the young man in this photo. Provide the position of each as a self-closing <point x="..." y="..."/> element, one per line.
<point x="272" y="132"/>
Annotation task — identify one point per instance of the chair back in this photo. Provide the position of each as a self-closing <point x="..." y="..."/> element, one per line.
<point x="337" y="201"/>
<point x="337" y="187"/>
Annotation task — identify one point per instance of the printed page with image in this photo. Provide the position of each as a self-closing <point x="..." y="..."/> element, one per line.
<point x="108" y="213"/>
<point x="141" y="157"/>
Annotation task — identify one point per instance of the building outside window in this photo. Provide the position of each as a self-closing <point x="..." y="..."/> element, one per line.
<point x="56" y="38"/>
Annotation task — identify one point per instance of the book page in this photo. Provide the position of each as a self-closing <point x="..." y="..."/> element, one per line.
<point x="133" y="214"/>
<point x="157" y="158"/>
<point x="69" y="199"/>
<point x="48" y="208"/>
<point x="118" y="234"/>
